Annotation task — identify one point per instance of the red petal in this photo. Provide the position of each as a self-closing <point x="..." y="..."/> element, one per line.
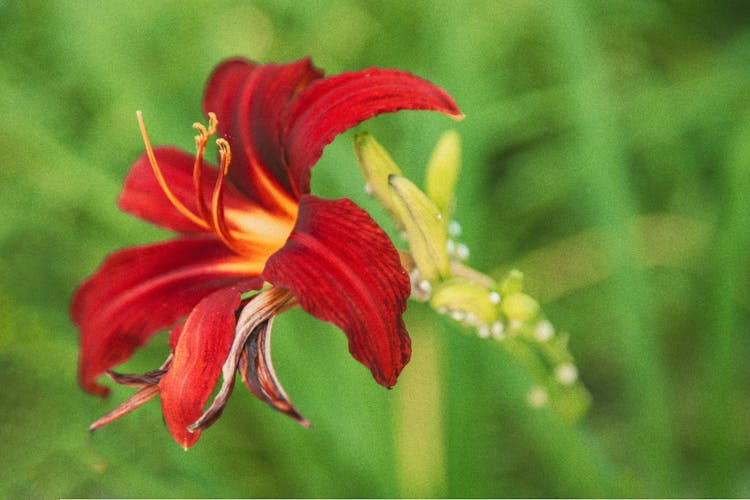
<point x="198" y="357"/>
<point x="330" y="106"/>
<point x="222" y="86"/>
<point x="141" y="290"/>
<point x="249" y="102"/>
<point x="143" y="197"/>
<point x="342" y="268"/>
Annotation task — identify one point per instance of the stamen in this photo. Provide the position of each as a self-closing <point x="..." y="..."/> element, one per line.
<point x="162" y="183"/>
<point x="200" y="145"/>
<point x="217" y="204"/>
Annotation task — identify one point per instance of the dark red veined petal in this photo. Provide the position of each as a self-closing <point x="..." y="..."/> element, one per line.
<point x="343" y="268"/>
<point x="141" y="290"/>
<point x="143" y="197"/>
<point x="221" y="89"/>
<point x="249" y="102"/>
<point x="199" y="355"/>
<point x="330" y="106"/>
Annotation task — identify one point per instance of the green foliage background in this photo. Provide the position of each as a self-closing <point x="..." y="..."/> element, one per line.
<point x="606" y="155"/>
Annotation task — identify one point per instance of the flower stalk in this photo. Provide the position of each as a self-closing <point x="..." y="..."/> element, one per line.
<point x="500" y="311"/>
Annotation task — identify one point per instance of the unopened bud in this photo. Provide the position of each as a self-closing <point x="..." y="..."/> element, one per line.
<point x="519" y="307"/>
<point x="425" y="228"/>
<point x="376" y="165"/>
<point x="473" y="300"/>
<point x="442" y="172"/>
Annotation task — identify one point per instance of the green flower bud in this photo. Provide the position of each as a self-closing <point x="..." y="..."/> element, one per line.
<point x="376" y="165"/>
<point x="466" y="297"/>
<point x="513" y="283"/>
<point x="425" y="228"/>
<point x="519" y="307"/>
<point x="442" y="172"/>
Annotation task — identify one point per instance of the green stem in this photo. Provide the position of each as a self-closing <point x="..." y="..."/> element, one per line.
<point x="723" y="343"/>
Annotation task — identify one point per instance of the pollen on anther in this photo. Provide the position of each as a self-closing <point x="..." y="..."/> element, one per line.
<point x="494" y="298"/>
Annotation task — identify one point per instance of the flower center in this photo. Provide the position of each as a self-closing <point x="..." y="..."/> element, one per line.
<point x="274" y="229"/>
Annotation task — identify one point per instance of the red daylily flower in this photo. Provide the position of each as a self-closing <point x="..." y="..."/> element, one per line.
<point x="251" y="223"/>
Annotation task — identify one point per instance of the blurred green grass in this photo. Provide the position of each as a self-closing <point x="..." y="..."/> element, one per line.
<point x="606" y="154"/>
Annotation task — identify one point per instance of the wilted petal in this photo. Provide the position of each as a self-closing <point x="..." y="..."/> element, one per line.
<point x="249" y="101"/>
<point x="141" y="397"/>
<point x="137" y="379"/>
<point x="256" y="369"/>
<point x="198" y="357"/>
<point x="149" y="387"/>
<point x="332" y="105"/>
<point x="141" y="290"/>
<point x="343" y="268"/>
<point x="257" y="313"/>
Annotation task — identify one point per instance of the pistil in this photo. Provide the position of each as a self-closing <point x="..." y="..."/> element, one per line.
<point x="200" y="145"/>
<point x="200" y="221"/>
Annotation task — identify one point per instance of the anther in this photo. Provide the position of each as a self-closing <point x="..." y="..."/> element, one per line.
<point x="200" y="145"/>
<point x="217" y="205"/>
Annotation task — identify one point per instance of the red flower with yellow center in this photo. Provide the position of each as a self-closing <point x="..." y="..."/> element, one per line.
<point x="250" y="225"/>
